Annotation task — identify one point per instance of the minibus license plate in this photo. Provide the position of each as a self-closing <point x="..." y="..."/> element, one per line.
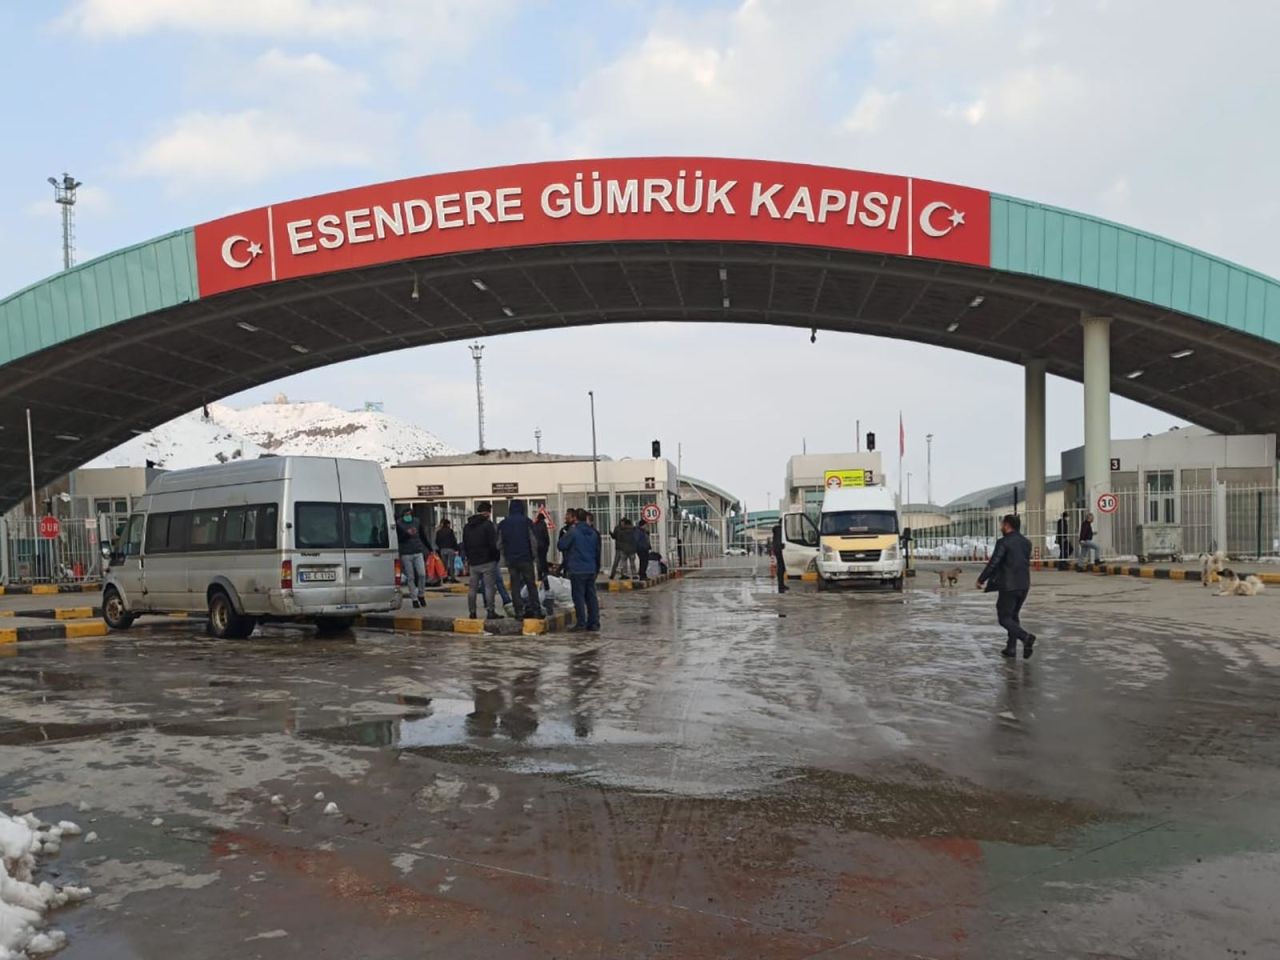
<point x="317" y="576"/>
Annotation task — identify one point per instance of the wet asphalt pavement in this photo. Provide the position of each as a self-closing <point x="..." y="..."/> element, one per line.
<point x="721" y="773"/>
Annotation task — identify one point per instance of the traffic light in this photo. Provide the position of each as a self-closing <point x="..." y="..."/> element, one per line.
<point x="657" y="450"/>
<point x="871" y="443"/>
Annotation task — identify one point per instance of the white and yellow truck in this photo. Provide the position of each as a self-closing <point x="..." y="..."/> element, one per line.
<point x="858" y="538"/>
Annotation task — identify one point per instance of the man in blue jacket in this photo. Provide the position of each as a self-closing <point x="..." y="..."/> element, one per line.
<point x="519" y="547"/>
<point x="580" y="553"/>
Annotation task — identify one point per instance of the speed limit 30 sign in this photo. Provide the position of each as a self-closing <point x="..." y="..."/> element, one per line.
<point x="1107" y="503"/>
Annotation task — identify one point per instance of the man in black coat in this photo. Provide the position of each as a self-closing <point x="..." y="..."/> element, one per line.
<point x="777" y="553"/>
<point x="1008" y="574"/>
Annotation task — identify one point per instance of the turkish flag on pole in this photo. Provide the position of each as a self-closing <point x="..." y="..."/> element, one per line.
<point x="902" y="437"/>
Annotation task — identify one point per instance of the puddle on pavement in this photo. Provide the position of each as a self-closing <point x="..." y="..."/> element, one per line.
<point x="16" y="733"/>
<point x="491" y="716"/>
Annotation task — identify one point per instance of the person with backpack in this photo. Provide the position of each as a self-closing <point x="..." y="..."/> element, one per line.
<point x="519" y="548"/>
<point x="414" y="548"/>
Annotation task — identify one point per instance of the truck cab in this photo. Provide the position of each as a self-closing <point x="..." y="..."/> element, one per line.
<point x="860" y="538"/>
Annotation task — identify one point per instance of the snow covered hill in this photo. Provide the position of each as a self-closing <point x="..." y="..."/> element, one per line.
<point x="317" y="429"/>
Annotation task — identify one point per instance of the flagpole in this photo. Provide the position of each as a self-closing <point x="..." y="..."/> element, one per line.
<point x="900" y="445"/>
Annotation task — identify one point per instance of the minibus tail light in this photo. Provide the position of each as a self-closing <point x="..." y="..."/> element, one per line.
<point x="286" y="575"/>
<point x="399" y="571"/>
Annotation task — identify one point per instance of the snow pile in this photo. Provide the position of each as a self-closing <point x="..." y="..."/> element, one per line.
<point x="189" y="441"/>
<point x="23" y="903"/>
<point x="304" y="429"/>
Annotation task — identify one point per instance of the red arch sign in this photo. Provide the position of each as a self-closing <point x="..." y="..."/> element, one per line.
<point x="593" y="201"/>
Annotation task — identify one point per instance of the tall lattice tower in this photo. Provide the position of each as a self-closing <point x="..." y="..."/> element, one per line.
<point x="64" y="194"/>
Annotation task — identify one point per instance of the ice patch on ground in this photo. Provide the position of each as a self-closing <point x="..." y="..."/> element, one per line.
<point x="404" y="862"/>
<point x="223" y="799"/>
<point x="268" y="935"/>
<point x="124" y="879"/>
<point x="23" y="901"/>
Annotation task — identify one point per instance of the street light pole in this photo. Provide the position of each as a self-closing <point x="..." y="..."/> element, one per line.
<point x="595" y="458"/>
<point x="477" y="350"/>
<point x="31" y="463"/>
<point x="928" y="476"/>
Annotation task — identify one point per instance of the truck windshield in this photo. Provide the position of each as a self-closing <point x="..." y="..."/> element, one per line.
<point x="859" y="522"/>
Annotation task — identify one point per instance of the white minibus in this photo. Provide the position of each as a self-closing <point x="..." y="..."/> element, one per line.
<point x="277" y="538"/>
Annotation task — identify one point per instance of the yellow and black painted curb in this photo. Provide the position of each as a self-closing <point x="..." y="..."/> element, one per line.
<point x="56" y="613"/>
<point x="72" y="630"/>
<point x="48" y="589"/>
<point x="1144" y="572"/>
<point x="529" y="626"/>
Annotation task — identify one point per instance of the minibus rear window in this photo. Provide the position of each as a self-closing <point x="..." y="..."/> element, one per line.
<point x="367" y="526"/>
<point x="321" y="526"/>
<point x="318" y="526"/>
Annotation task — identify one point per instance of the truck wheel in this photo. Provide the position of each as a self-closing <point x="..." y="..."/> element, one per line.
<point x="114" y="612"/>
<point x="897" y="584"/>
<point x="333" y="626"/>
<point x="224" y="622"/>
<point x="823" y="584"/>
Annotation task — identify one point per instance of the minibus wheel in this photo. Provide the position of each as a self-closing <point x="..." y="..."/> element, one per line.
<point x="224" y="622"/>
<point x="114" y="612"/>
<point x="897" y="584"/>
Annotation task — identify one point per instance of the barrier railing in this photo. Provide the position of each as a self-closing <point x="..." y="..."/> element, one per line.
<point x="73" y="556"/>
<point x="1242" y="521"/>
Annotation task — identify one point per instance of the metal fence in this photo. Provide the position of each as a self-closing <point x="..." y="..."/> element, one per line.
<point x="1242" y="521"/>
<point x="73" y="556"/>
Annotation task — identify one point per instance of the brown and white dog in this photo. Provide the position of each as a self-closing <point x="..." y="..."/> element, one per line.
<point x="1211" y="567"/>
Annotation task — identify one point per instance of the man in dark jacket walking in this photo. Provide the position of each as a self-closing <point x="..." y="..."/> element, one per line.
<point x="1008" y="575"/>
<point x="580" y="548"/>
<point x="447" y="544"/>
<point x="480" y="548"/>
<point x="413" y="555"/>
<point x="519" y="546"/>
<point x="777" y="558"/>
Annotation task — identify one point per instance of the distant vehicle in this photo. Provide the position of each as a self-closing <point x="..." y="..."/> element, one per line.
<point x="860" y="538"/>
<point x="736" y="552"/>
<point x="280" y="538"/>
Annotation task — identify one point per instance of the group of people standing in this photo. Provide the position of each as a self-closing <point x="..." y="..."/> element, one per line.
<point x="633" y="548"/>
<point x="523" y="545"/>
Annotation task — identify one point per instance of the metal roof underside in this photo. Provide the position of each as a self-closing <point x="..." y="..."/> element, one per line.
<point x="106" y="383"/>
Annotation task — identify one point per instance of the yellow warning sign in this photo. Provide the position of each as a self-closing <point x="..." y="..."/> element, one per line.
<point x="835" y="479"/>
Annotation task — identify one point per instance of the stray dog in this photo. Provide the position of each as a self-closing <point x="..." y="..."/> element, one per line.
<point x="1211" y="567"/>
<point x="1233" y="586"/>
<point x="949" y="578"/>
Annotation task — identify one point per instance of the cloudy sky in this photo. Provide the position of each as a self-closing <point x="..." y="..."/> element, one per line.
<point x="1157" y="113"/>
